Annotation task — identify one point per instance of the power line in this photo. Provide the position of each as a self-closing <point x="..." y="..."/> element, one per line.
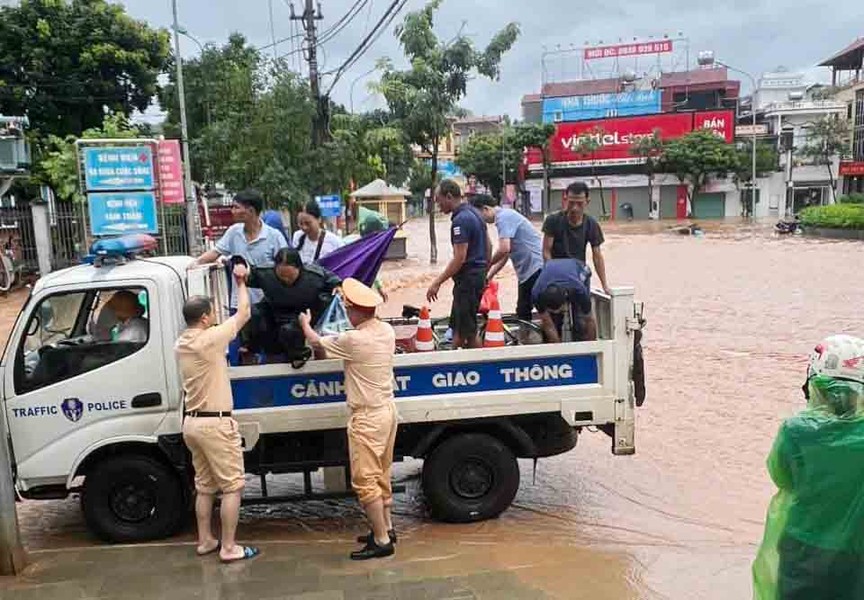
<point x="385" y="20"/>
<point x="342" y="23"/>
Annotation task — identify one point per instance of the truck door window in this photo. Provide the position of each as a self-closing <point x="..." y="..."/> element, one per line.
<point x="69" y="334"/>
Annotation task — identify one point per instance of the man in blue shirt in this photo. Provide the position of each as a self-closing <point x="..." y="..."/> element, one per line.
<point x="467" y="268"/>
<point x="565" y="284"/>
<point x="517" y="241"/>
<point x="249" y="237"/>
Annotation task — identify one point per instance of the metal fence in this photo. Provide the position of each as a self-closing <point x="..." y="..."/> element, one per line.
<point x="69" y="232"/>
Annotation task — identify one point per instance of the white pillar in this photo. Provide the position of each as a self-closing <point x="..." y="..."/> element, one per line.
<point x="42" y="235"/>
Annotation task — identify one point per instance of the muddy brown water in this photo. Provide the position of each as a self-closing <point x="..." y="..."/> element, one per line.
<point x="731" y="318"/>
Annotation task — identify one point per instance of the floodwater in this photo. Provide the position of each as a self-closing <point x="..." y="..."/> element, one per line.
<point x="731" y="318"/>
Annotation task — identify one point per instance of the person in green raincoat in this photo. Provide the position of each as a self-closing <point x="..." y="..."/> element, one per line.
<point x="813" y="547"/>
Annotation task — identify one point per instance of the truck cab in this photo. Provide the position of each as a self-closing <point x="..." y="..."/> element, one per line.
<point x="90" y="411"/>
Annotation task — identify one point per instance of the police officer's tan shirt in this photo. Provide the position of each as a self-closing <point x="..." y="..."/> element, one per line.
<point x="368" y="354"/>
<point x="204" y="368"/>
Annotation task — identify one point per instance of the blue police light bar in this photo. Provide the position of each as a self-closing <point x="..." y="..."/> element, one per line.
<point x="120" y="248"/>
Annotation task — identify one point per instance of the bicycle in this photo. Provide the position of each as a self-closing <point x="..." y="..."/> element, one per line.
<point x="10" y="269"/>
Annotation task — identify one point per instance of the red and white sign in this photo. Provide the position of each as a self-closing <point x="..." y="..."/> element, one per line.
<point x="619" y="50"/>
<point x="721" y="122"/>
<point x="170" y="172"/>
<point x="851" y="169"/>
<point x="616" y="137"/>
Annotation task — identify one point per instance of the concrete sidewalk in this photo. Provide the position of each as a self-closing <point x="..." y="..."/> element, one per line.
<point x="320" y="570"/>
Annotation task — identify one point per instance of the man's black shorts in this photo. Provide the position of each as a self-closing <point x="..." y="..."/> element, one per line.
<point x="468" y="288"/>
<point x="524" y="305"/>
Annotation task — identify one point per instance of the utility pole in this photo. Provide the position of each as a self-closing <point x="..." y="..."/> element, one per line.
<point x="12" y="556"/>
<point x="309" y="20"/>
<point x="191" y="206"/>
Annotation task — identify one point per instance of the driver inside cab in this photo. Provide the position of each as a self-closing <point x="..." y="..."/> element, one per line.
<point x="121" y="319"/>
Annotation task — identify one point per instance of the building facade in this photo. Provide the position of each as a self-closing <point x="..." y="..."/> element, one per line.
<point x="616" y="113"/>
<point x="848" y="87"/>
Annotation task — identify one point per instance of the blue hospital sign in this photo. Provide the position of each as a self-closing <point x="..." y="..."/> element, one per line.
<point x="109" y="168"/>
<point x="122" y="212"/>
<point x="331" y="206"/>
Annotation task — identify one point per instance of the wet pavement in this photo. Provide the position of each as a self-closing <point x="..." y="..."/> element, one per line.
<point x="731" y="318"/>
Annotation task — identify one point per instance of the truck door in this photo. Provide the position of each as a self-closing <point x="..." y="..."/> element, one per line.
<point x="87" y="367"/>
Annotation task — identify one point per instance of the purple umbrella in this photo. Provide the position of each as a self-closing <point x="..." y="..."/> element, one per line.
<point x="361" y="259"/>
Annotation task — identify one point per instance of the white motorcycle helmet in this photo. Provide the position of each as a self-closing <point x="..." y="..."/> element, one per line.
<point x="840" y="357"/>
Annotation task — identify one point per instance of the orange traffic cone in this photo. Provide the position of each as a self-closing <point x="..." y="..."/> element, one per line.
<point x="425" y="343"/>
<point x="494" y="337"/>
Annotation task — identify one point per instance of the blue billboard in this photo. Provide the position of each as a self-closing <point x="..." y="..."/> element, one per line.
<point x="109" y="168"/>
<point x="116" y="213"/>
<point x="601" y="106"/>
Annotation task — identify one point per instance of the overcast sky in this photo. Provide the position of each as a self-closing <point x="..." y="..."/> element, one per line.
<point x="754" y="35"/>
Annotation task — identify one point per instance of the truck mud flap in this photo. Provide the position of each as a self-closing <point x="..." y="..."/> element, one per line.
<point x="638" y="369"/>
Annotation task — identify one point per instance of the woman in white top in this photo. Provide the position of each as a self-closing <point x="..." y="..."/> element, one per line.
<point x="312" y="241"/>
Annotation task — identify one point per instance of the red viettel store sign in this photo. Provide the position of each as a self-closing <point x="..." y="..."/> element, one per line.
<point x="851" y="169"/>
<point x="617" y="136"/>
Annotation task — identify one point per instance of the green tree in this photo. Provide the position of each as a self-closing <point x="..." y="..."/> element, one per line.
<point x="587" y="146"/>
<point x="767" y="161"/>
<point x="64" y="62"/>
<point x="827" y="138"/>
<point x="649" y="148"/>
<point x="536" y="136"/>
<point x="696" y="157"/>
<point x="59" y="165"/>
<point x="424" y="96"/>
<point x="482" y="157"/>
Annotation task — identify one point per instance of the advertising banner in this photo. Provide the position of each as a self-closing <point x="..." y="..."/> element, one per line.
<point x="721" y="122"/>
<point x="601" y="106"/>
<point x="617" y="136"/>
<point x="109" y="168"/>
<point x="170" y="172"/>
<point x="851" y="169"/>
<point x="620" y="50"/>
<point x="113" y="213"/>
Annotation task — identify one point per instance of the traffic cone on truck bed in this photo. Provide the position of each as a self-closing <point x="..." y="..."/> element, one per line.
<point x="425" y="342"/>
<point x="494" y="337"/>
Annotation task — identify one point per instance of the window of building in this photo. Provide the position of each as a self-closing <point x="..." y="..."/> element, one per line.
<point x="69" y="334"/>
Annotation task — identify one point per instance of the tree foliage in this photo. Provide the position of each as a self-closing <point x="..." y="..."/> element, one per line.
<point x="697" y="156"/>
<point x="487" y="155"/>
<point x="251" y="126"/>
<point x="59" y="166"/>
<point x="767" y="159"/>
<point x="424" y="96"/>
<point x="62" y="63"/>
<point x="827" y="138"/>
<point x="587" y="146"/>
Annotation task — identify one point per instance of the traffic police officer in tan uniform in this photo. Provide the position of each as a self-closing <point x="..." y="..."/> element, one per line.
<point x="368" y="351"/>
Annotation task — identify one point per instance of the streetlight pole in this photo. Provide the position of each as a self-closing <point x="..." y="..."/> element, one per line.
<point x="191" y="205"/>
<point x="753" y="143"/>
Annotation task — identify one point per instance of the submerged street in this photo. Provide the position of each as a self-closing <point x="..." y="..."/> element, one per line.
<point x="731" y="318"/>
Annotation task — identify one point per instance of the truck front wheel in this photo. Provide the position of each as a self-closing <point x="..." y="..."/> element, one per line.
<point x="132" y="499"/>
<point x="470" y="477"/>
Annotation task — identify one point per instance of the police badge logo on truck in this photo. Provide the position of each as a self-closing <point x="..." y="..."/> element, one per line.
<point x="72" y="409"/>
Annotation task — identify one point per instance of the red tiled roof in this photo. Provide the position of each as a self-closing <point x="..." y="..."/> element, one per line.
<point x="532" y="98"/>
<point x="849" y="57"/>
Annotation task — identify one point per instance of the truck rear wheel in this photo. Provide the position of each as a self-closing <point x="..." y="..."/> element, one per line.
<point x="132" y="499"/>
<point x="470" y="477"/>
